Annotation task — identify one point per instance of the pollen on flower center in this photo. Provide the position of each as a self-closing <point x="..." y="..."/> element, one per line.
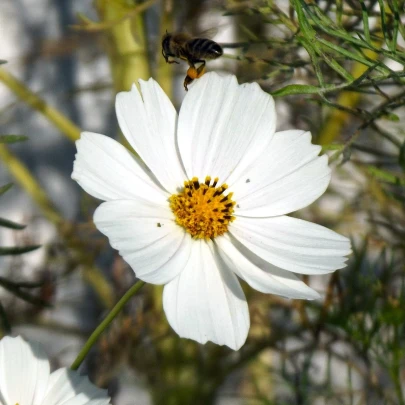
<point x="202" y="208"/>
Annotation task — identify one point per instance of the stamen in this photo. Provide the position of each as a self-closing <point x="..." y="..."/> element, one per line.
<point x="202" y="209"/>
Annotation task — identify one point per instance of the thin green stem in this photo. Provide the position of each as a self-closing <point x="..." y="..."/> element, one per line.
<point x="67" y="127"/>
<point x="104" y="324"/>
<point x="396" y="24"/>
<point x="366" y="28"/>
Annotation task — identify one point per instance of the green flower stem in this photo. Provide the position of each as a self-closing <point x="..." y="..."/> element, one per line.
<point x="126" y="42"/>
<point x="67" y="127"/>
<point x="104" y="324"/>
<point x="30" y="185"/>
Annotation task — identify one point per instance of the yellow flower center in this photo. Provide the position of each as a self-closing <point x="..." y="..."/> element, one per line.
<point x="202" y="209"/>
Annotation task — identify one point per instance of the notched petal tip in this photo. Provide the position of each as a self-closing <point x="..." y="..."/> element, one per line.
<point x="307" y="135"/>
<point x="152" y="87"/>
<point x="254" y="87"/>
<point x="84" y="136"/>
<point x="149" y="81"/>
<point x="124" y="98"/>
<point x="205" y="302"/>
<point x="304" y="136"/>
<point x="214" y="79"/>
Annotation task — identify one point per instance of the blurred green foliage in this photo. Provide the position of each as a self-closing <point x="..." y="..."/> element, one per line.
<point x="18" y="289"/>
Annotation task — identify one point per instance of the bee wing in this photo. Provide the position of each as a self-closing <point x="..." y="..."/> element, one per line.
<point x="208" y="33"/>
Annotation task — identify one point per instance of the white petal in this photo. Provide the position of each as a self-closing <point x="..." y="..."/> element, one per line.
<point x="259" y="274"/>
<point x="223" y="126"/>
<point x="292" y="244"/>
<point x="205" y="301"/>
<point x="67" y="387"/>
<point x="149" y="124"/>
<point x="99" y="402"/>
<point x="289" y="175"/>
<point x="108" y="171"/>
<point x="147" y="238"/>
<point x="24" y="372"/>
<point x="96" y="402"/>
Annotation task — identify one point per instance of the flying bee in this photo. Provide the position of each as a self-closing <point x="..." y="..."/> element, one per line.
<point x="193" y="50"/>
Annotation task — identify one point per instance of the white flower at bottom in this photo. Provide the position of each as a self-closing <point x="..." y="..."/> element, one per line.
<point x="25" y="379"/>
<point x="211" y="202"/>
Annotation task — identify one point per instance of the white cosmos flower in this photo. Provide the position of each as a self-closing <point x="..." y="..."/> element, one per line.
<point x="196" y="237"/>
<point x="25" y="379"/>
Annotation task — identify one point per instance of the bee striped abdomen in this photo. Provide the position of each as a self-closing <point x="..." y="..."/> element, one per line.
<point x="193" y="50"/>
<point x="202" y="48"/>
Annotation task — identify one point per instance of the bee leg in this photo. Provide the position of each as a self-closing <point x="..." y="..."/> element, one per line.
<point x="167" y="58"/>
<point x="201" y="70"/>
<point x="193" y="73"/>
<point x="171" y="61"/>
<point x="187" y="81"/>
